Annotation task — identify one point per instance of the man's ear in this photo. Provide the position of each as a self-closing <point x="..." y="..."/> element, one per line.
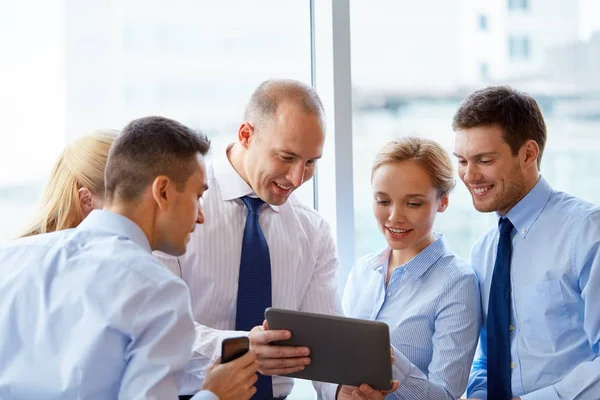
<point x="245" y="134"/>
<point x="85" y="200"/>
<point x="161" y="191"/>
<point x="444" y="203"/>
<point x="530" y="153"/>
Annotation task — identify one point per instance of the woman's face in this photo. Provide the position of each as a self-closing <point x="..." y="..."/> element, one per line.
<point x="405" y="204"/>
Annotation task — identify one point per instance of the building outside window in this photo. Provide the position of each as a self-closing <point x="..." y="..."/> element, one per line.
<point x="518" y="48"/>
<point x="483" y="22"/>
<point x="484" y="71"/>
<point x="514" y="5"/>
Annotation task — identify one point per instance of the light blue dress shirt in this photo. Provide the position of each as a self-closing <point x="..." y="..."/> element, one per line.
<point x="89" y="313"/>
<point x="432" y="307"/>
<point x="555" y="281"/>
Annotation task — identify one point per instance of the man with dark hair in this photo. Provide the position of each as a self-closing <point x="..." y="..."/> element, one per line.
<point x="152" y="146"/>
<point x="261" y="247"/>
<point x="539" y="270"/>
<point x="89" y="312"/>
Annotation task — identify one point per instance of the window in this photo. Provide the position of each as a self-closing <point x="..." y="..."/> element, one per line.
<point x="74" y="67"/>
<point x="483" y="22"/>
<point x="484" y="71"/>
<point x="518" y="48"/>
<point x="412" y="66"/>
<point x="518" y="5"/>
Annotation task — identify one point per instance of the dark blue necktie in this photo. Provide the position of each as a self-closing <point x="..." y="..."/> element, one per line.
<point x="498" y="320"/>
<point x="254" y="284"/>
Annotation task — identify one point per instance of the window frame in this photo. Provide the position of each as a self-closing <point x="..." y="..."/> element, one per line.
<point x="331" y="76"/>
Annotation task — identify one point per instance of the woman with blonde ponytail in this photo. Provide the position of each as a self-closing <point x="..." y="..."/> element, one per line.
<point x="76" y="184"/>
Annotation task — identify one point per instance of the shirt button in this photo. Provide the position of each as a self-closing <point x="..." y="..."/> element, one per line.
<point x="389" y="294"/>
<point x="513" y="365"/>
<point x="523" y="231"/>
<point x="511" y="328"/>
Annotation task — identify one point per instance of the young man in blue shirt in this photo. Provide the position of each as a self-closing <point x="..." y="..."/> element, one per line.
<point x="89" y="312"/>
<point x="539" y="270"/>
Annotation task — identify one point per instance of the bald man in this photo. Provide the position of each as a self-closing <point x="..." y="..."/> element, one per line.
<point x="261" y="247"/>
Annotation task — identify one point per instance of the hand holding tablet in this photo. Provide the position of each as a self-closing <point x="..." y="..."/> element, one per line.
<point x="276" y="360"/>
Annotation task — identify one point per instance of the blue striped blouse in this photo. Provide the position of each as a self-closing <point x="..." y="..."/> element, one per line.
<point x="432" y="307"/>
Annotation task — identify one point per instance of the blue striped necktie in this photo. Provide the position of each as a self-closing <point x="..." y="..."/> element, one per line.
<point x="254" y="284"/>
<point x="498" y="320"/>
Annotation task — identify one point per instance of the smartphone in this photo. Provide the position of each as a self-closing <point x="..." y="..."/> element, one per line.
<point x="233" y="348"/>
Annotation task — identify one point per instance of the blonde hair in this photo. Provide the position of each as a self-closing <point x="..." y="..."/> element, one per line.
<point x="81" y="164"/>
<point x="427" y="153"/>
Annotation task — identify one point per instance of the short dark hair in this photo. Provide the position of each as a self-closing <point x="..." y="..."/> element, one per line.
<point x="149" y="147"/>
<point x="516" y="113"/>
<point x="271" y="93"/>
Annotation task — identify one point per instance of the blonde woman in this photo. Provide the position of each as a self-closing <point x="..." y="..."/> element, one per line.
<point x="427" y="296"/>
<point x="76" y="184"/>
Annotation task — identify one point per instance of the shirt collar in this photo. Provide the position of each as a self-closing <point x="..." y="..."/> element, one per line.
<point x="108" y="221"/>
<point x="231" y="185"/>
<point x="526" y="211"/>
<point x="421" y="262"/>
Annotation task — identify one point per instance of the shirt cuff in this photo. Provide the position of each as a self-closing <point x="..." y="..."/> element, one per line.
<point x="547" y="393"/>
<point x="401" y="368"/>
<point x="326" y="391"/>
<point x="205" y="395"/>
<point x="478" y="395"/>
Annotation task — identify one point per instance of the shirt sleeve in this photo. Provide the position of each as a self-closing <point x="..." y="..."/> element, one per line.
<point x="322" y="293"/>
<point x="161" y="340"/>
<point x="207" y="343"/>
<point x="206" y="350"/>
<point x="583" y="381"/>
<point x="457" y="326"/>
<point x="477" y="385"/>
<point x="205" y="395"/>
<point x="326" y="391"/>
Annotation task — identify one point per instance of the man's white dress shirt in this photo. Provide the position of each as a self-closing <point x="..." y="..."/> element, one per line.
<point x="303" y="265"/>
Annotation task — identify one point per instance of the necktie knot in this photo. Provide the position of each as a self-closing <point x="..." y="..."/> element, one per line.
<point x="506" y="226"/>
<point x="254" y="204"/>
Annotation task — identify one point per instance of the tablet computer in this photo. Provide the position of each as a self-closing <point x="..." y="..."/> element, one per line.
<point x="345" y="351"/>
